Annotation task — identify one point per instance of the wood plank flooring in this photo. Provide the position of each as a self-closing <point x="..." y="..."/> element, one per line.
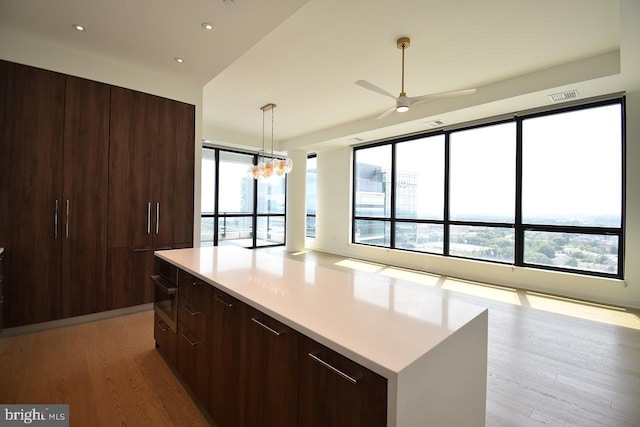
<point x="544" y="369"/>
<point x="108" y="371"/>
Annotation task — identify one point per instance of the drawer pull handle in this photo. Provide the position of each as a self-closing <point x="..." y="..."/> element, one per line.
<point x="222" y="301"/>
<point x="333" y="369"/>
<point x="273" y="331"/>
<point x="163" y="325"/>
<point x="190" y="311"/>
<point x="188" y="340"/>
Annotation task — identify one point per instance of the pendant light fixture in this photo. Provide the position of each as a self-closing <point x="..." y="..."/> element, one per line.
<point x="268" y="165"/>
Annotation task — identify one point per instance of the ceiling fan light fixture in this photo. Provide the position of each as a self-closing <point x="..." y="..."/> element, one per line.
<point x="402" y="108"/>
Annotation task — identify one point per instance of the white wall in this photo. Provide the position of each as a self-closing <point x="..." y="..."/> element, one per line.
<point x="42" y="54"/>
<point x="333" y="232"/>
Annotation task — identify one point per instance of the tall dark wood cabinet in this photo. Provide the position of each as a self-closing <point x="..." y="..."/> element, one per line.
<point x="93" y="178"/>
<point x="151" y="162"/>
<point x="32" y="200"/>
<point x="84" y="202"/>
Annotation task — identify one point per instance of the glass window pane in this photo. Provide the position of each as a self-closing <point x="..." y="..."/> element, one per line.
<point x="571" y="168"/>
<point x="489" y="243"/>
<point x="572" y="250"/>
<point x="482" y="175"/>
<point x="312" y="187"/>
<point x="208" y="187"/>
<point x="420" y="237"/>
<point x="311" y="226"/>
<point x="235" y="231"/>
<point x="420" y="178"/>
<point x="373" y="181"/>
<point x="272" y="194"/>
<point x="206" y="231"/>
<point x="373" y="232"/>
<point x="270" y="230"/>
<point x="236" y="187"/>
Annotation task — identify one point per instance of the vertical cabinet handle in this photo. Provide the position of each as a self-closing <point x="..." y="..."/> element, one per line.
<point x="66" y="225"/>
<point x="149" y="218"/>
<point x="55" y="221"/>
<point x="157" y="217"/>
<point x="333" y="369"/>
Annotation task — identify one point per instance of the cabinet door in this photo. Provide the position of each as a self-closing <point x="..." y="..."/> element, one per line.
<point x="194" y="364"/>
<point x="84" y="203"/>
<point x="270" y="371"/>
<point x="335" y="391"/>
<point x="172" y="171"/>
<point x="133" y="133"/>
<point x="224" y="342"/>
<point x="166" y="340"/>
<point x="5" y="150"/>
<point x="32" y="183"/>
<point x="128" y="277"/>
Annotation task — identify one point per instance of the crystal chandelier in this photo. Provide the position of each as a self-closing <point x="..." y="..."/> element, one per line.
<point x="268" y="165"/>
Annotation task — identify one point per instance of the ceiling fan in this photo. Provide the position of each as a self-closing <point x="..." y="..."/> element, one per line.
<point x="403" y="102"/>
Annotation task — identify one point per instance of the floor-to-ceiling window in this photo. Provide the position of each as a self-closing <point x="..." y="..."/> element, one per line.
<point x="312" y="194"/>
<point x="542" y="190"/>
<point x="237" y="209"/>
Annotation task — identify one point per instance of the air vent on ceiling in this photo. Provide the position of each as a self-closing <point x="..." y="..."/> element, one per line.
<point x="435" y="123"/>
<point x="564" y="96"/>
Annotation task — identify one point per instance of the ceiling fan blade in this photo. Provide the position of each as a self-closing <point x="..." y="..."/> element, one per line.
<point x="365" y="84"/>
<point x="386" y="113"/>
<point x="417" y="99"/>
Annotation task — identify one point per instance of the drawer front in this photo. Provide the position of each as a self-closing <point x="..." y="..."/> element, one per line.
<point x="166" y="339"/>
<point x="195" y="291"/>
<point x="193" y="319"/>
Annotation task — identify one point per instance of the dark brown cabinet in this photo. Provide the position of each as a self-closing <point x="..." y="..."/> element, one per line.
<point x="335" y="391"/>
<point x="269" y="353"/>
<point x="193" y="361"/>
<point x="151" y="164"/>
<point x="225" y="332"/>
<point x="90" y="176"/>
<point x="31" y="186"/>
<point x="83" y="206"/>
<point x="166" y="339"/>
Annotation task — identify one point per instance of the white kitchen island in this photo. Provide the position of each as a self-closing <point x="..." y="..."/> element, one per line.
<point x="431" y="348"/>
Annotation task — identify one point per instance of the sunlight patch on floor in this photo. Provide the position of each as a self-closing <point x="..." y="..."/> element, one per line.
<point x="412" y="276"/>
<point x="566" y="306"/>
<point x="496" y="293"/>
<point x="359" y="265"/>
<point x="584" y="310"/>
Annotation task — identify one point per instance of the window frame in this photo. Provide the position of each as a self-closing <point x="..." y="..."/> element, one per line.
<point x="217" y="217"/>
<point x="518" y="226"/>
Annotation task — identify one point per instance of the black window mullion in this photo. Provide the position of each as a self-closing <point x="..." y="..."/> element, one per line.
<point x="392" y="172"/>
<point x="217" y="195"/>
<point x="518" y="250"/>
<point x="254" y="217"/>
<point x="446" y="231"/>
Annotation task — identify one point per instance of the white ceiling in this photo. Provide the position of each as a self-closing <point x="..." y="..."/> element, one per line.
<point x="305" y="56"/>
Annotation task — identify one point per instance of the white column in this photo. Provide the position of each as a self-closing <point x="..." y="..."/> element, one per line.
<point x="296" y="202"/>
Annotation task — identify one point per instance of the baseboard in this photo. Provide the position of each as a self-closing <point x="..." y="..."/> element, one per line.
<point x="27" y="329"/>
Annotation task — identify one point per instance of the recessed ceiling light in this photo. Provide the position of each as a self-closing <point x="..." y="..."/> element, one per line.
<point x="178" y="60"/>
<point x="207" y="26"/>
<point x="228" y="2"/>
<point x="79" y="27"/>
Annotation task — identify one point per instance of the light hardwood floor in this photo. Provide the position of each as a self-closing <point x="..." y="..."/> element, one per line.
<point x="544" y="367"/>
